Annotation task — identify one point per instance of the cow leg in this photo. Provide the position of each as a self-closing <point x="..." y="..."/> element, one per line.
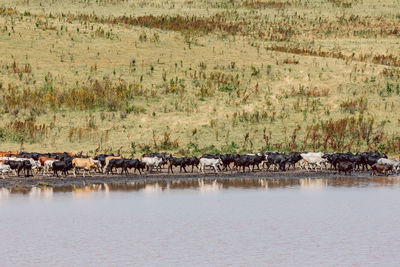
<point x="306" y="167"/>
<point x="215" y="169"/>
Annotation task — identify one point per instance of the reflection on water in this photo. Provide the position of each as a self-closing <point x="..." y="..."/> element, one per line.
<point x="201" y="222"/>
<point x="43" y="193"/>
<point x="313" y="184"/>
<point x="208" y="185"/>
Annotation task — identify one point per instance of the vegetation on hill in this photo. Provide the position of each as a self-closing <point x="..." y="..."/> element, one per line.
<point x="200" y="76"/>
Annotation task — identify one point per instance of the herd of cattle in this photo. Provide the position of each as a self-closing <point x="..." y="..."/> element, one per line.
<point x="53" y="163"/>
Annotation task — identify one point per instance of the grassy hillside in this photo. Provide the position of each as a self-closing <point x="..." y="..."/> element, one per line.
<point x="195" y="76"/>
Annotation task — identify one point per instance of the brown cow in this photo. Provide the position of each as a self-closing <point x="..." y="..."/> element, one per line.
<point x="42" y="160"/>
<point x="8" y="153"/>
<point x="381" y="168"/>
<point x="82" y="163"/>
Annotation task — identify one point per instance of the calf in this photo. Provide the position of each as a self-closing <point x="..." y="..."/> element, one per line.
<point x="395" y="164"/>
<point x="345" y="166"/>
<point x="381" y="168"/>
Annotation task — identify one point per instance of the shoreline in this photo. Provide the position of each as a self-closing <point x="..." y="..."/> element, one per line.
<point x="24" y="184"/>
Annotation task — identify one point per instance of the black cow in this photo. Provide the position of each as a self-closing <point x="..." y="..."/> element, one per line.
<point x="370" y="158"/>
<point x="227" y="159"/>
<point x="294" y="157"/>
<point x="63" y="166"/>
<point x="345" y="166"/>
<point x="102" y="158"/>
<point x="256" y="160"/>
<point x="193" y="161"/>
<point x="20" y="165"/>
<point x="277" y="159"/>
<point x="133" y="163"/>
<point x="175" y="162"/>
<point x="115" y="163"/>
<point x="243" y="162"/>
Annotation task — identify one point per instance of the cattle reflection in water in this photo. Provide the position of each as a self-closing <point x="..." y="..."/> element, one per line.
<point x="152" y="188"/>
<point x="313" y="184"/>
<point x="41" y="193"/>
<point x="203" y="185"/>
<point x="4" y="193"/>
<point x="209" y="186"/>
<point x="85" y="191"/>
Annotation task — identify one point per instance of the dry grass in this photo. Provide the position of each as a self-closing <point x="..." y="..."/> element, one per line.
<point x="195" y="76"/>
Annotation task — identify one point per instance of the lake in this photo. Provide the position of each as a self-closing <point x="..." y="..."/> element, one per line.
<point x="244" y="222"/>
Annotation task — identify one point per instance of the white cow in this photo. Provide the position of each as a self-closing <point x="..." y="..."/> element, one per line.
<point x="36" y="166"/>
<point x="209" y="162"/>
<point x="152" y="162"/>
<point x="98" y="164"/>
<point x="48" y="167"/>
<point x="4" y="169"/>
<point x="395" y="164"/>
<point x="313" y="159"/>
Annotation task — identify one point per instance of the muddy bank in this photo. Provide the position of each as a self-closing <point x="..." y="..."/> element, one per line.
<point x="122" y="182"/>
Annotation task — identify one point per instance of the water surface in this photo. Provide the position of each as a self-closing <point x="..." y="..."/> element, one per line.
<point x="304" y="222"/>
